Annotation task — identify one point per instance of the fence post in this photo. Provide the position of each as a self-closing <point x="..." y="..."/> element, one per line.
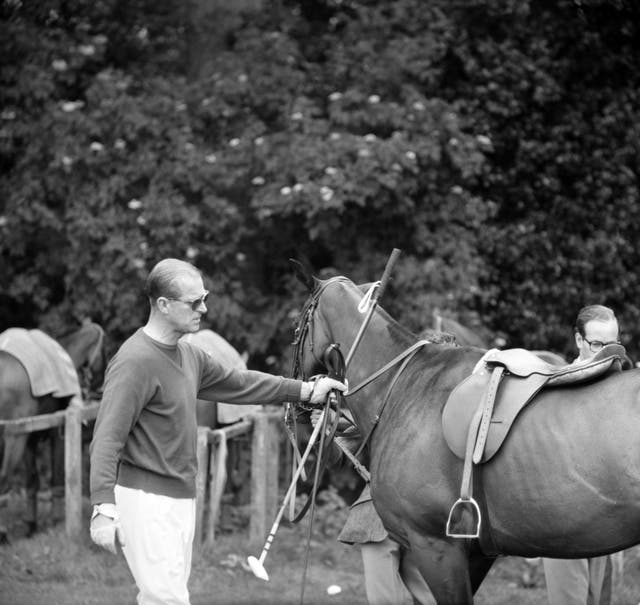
<point x="264" y="477"/>
<point x="73" y="473"/>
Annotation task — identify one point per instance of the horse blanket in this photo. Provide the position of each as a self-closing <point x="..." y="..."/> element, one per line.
<point x="48" y="365"/>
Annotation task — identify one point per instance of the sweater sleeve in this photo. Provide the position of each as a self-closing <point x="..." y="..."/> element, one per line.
<point x="124" y="395"/>
<point x="244" y="387"/>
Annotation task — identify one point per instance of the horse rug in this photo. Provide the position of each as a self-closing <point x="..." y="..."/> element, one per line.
<point x="48" y="365"/>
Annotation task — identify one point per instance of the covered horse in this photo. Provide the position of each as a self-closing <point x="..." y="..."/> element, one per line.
<point x="564" y="483"/>
<point x="40" y="375"/>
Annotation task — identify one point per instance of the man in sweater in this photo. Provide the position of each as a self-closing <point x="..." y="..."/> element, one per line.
<point x="143" y="452"/>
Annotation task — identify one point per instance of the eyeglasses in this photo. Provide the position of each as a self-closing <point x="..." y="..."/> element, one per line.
<point x="194" y="304"/>
<point x="597" y="345"/>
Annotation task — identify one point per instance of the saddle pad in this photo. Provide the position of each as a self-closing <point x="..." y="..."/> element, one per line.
<point x="48" y="365"/>
<point x="463" y="403"/>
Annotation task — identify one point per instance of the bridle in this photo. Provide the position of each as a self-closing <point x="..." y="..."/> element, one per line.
<point x="304" y="331"/>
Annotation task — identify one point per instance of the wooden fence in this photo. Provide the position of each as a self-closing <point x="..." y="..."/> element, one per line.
<point x="210" y="479"/>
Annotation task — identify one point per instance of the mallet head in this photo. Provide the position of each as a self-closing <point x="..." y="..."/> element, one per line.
<point x="258" y="568"/>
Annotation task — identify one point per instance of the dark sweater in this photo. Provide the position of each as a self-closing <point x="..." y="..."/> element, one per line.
<point x="145" y="433"/>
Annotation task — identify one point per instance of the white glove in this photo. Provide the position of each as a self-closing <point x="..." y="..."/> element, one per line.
<point x="322" y="386"/>
<point x="106" y="531"/>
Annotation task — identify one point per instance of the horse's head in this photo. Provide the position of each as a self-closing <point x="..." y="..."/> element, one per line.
<point x="87" y="349"/>
<point x="311" y="340"/>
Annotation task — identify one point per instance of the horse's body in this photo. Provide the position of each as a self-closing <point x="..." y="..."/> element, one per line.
<point x="566" y="482"/>
<point x="85" y="347"/>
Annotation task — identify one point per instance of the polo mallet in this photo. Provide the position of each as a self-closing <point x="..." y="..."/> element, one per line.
<point x="257" y="565"/>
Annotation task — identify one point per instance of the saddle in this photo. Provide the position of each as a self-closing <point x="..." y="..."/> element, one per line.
<point x="481" y="410"/>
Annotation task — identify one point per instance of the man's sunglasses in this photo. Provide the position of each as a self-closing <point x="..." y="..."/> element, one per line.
<point x="194" y="304"/>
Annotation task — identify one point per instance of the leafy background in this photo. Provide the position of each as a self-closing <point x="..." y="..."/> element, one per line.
<point x="495" y="142"/>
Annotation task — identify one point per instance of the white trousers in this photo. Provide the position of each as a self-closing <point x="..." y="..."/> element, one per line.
<point x="574" y="581"/>
<point x="158" y="535"/>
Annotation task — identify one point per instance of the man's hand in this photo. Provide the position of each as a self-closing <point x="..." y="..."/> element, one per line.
<point x="322" y="387"/>
<point x="106" y="532"/>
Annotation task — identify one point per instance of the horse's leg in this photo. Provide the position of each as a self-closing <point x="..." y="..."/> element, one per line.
<point x="445" y="567"/>
<point x="32" y="483"/>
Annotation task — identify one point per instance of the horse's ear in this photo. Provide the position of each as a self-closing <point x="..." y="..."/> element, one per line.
<point x="304" y="275"/>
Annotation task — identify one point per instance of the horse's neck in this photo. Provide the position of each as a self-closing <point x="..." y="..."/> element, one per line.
<point x="80" y="345"/>
<point x="382" y="341"/>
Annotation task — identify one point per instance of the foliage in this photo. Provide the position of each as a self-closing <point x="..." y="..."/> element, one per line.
<point x="492" y="142"/>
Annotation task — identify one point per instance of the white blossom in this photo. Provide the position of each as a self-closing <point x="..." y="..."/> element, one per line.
<point x="335" y="96"/>
<point x="4" y="221"/>
<point x="364" y="153"/>
<point x="298" y="187"/>
<point x="66" y="161"/>
<point x="258" y="141"/>
<point x="330" y="170"/>
<point x="69" y="106"/>
<point x="96" y="146"/>
<point x="8" y="114"/>
<point x="297" y="115"/>
<point x="59" y="65"/>
<point x="141" y="221"/>
<point x="210" y="158"/>
<point x="334" y="136"/>
<point x="119" y="144"/>
<point x="242" y="78"/>
<point x="138" y="263"/>
<point x="410" y="155"/>
<point x="192" y="252"/>
<point x="134" y="204"/>
<point x="484" y="140"/>
<point x="285" y="191"/>
<point x="370" y="137"/>
<point x="457" y="190"/>
<point x="257" y="180"/>
<point x="87" y="50"/>
<point x="419" y="106"/>
<point x="373" y="99"/>
<point x="234" y="142"/>
<point x="143" y="33"/>
<point x="326" y="193"/>
<point x="241" y="257"/>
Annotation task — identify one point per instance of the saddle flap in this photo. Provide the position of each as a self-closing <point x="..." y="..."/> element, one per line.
<point x="513" y="395"/>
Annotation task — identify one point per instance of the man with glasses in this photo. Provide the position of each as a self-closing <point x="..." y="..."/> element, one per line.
<point x="582" y="581"/>
<point x="143" y="452"/>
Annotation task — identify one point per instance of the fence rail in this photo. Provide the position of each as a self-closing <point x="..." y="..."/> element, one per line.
<point x="211" y="476"/>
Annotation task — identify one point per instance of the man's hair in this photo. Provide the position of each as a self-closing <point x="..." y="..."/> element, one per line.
<point x="593" y="313"/>
<point x="164" y="277"/>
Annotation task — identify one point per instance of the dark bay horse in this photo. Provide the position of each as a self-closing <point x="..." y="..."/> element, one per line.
<point x="566" y="482"/>
<point x="86" y="349"/>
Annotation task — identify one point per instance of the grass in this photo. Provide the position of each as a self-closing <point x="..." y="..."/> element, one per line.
<point x="47" y="569"/>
